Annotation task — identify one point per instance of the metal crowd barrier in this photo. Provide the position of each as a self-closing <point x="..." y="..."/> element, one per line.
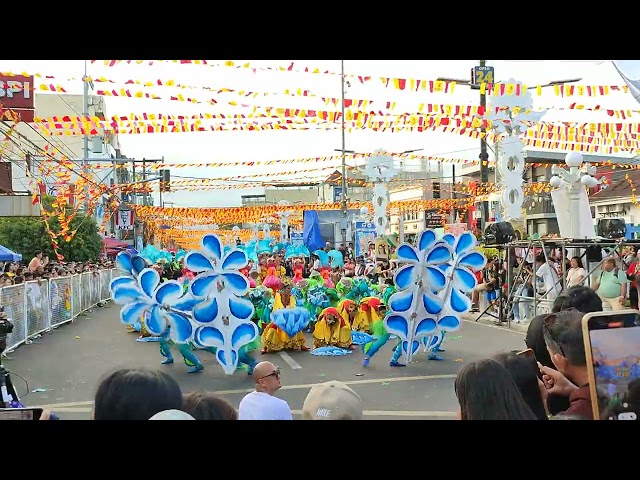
<point x="41" y="305"/>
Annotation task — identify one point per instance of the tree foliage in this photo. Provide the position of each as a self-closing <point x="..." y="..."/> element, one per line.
<point x="27" y="235"/>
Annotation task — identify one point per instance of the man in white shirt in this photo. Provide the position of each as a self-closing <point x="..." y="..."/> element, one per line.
<point x="550" y="278"/>
<point x="261" y="404"/>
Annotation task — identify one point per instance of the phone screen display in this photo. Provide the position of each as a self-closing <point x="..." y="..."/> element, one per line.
<point x="615" y="348"/>
<point x="20" y="414"/>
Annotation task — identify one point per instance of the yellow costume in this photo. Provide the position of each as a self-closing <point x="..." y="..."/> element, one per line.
<point x="349" y="312"/>
<point x="331" y="330"/>
<point x="273" y="338"/>
<point x="263" y="272"/>
<point x="281" y="272"/>
<point x="367" y="315"/>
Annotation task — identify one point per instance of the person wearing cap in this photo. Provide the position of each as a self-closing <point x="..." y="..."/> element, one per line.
<point x="261" y="404"/>
<point x="332" y="400"/>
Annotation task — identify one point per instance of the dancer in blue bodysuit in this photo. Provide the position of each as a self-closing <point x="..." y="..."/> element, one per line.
<point x="379" y="330"/>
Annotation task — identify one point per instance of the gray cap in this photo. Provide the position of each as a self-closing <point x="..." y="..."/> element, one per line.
<point x="172" y="415"/>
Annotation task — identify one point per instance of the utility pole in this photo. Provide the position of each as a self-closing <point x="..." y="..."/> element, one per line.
<point x="85" y="137"/>
<point x="484" y="157"/>
<point x="344" y="160"/>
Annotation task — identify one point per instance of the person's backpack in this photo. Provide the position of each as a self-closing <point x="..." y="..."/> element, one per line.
<point x="615" y="275"/>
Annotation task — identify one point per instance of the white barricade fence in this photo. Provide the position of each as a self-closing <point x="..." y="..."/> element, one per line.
<point x="38" y="306"/>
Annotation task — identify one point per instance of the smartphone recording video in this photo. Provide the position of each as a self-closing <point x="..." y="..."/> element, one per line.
<point x="612" y="345"/>
<point x="20" y="413"/>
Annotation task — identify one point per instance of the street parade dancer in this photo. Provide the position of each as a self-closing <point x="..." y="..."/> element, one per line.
<point x="274" y="339"/>
<point x="379" y="331"/>
<point x="332" y="330"/>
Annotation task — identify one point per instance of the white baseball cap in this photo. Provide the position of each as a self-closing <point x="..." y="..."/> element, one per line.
<point x="172" y="415"/>
<point x="332" y="400"/>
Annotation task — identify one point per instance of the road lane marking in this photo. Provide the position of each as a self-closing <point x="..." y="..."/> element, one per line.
<point x="286" y="387"/>
<point x="367" y="413"/>
<point x="289" y="361"/>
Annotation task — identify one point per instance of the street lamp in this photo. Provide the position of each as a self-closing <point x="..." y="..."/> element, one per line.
<point x="574" y="181"/>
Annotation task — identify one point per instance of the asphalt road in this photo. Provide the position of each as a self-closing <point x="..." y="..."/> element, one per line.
<point x="63" y="369"/>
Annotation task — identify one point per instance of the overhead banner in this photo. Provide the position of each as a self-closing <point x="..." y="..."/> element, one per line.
<point x="364" y="235"/>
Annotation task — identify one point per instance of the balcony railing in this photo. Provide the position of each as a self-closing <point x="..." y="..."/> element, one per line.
<point x="542" y="207"/>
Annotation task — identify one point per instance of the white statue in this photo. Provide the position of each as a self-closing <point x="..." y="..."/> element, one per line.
<point x="510" y="121"/>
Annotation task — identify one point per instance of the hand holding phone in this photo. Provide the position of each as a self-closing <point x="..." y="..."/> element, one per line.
<point x="555" y="382"/>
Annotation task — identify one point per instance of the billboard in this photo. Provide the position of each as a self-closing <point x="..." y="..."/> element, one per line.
<point x="365" y="234"/>
<point x="297" y="238"/>
<point x="17" y="94"/>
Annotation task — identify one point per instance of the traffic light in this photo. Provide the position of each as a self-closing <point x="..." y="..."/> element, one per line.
<point x="165" y="180"/>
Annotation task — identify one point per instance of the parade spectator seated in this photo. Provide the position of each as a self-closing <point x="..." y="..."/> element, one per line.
<point x="488" y="285"/>
<point x="564" y="339"/>
<point x="581" y="298"/>
<point x="136" y="394"/>
<point x="524" y="371"/>
<point x="486" y="391"/>
<point x="208" y="406"/>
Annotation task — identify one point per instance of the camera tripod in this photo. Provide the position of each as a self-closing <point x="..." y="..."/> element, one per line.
<point x="10" y="397"/>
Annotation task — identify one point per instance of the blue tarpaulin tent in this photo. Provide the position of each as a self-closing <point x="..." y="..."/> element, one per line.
<point x="7" y="255"/>
<point x="311" y="230"/>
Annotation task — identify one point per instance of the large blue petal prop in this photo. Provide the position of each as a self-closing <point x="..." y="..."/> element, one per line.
<point x="168" y="292"/>
<point x="431" y="303"/>
<point x="181" y="328"/>
<point x="197" y="262"/>
<point x="235" y="259"/>
<point x="132" y="313"/>
<point x="435" y="278"/>
<point x="237" y="282"/>
<point x="138" y="264"/>
<point x="126" y="294"/>
<point x="212" y="246"/>
<point x="473" y="260"/>
<point x="209" y="336"/>
<point x="157" y="321"/>
<point x="439" y="255"/>
<point x="202" y="285"/>
<point x="240" y="308"/>
<point x="122" y="281"/>
<point x="425" y="327"/>
<point x="466" y="242"/>
<point x="427" y="239"/>
<point x="207" y="311"/>
<point x="406" y="253"/>
<point x="405" y="276"/>
<point x="449" y="323"/>
<point x="450" y="239"/>
<point x="330" y="352"/>
<point x="149" y="279"/>
<point x="459" y="302"/>
<point x="401" y="301"/>
<point x="230" y="326"/>
<point x="123" y="261"/>
<point x="464" y="280"/>
<point x="186" y="303"/>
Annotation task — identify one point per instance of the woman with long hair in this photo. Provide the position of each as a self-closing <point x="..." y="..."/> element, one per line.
<point x="524" y="372"/>
<point x="486" y="391"/>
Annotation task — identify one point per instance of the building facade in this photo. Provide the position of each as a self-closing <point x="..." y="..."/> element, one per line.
<point x="618" y="201"/>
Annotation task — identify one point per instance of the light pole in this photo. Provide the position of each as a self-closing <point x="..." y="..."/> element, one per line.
<point x="574" y="181"/>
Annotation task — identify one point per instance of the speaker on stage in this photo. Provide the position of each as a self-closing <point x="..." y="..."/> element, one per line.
<point x="612" y="228"/>
<point x="498" y="233"/>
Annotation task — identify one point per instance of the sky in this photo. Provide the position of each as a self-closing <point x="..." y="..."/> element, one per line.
<point x="205" y="147"/>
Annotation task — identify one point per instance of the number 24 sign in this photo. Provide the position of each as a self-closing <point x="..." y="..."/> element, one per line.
<point x="483" y="75"/>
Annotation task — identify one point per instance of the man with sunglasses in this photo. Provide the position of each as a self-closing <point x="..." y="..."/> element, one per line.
<point x="261" y="404"/>
<point x="579" y="297"/>
<point x="564" y="338"/>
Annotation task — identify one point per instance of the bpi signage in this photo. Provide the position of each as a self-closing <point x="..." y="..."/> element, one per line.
<point x="17" y="94"/>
